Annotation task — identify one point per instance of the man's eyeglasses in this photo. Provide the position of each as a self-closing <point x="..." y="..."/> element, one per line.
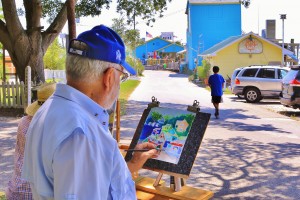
<point x="124" y="75"/>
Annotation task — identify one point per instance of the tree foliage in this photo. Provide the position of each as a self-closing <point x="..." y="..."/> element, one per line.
<point x="131" y="37"/>
<point x="27" y="46"/>
<point x="55" y="56"/>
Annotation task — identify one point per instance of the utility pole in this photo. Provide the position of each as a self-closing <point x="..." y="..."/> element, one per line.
<point x="283" y="17"/>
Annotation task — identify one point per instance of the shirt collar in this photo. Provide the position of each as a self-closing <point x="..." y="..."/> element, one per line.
<point x="72" y="94"/>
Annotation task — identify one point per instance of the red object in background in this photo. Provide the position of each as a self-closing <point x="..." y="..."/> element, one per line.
<point x="154" y="54"/>
<point x="294" y="82"/>
<point x="148" y="35"/>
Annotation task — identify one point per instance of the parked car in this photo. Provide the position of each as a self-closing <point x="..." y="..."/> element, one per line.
<point x="232" y="80"/>
<point x="290" y="95"/>
<point x="258" y="82"/>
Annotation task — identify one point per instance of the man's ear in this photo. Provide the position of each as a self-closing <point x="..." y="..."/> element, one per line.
<point x="108" y="78"/>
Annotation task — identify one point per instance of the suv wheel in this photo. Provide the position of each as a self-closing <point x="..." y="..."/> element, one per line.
<point x="252" y="95"/>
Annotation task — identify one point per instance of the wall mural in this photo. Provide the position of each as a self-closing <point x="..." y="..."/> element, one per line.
<point x="250" y="45"/>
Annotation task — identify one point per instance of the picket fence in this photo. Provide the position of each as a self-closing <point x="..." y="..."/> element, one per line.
<point x="12" y="95"/>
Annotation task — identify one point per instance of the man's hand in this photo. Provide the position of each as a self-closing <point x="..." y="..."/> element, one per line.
<point x="139" y="158"/>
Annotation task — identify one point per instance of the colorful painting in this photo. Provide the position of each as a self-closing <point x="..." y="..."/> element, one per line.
<point x="168" y="129"/>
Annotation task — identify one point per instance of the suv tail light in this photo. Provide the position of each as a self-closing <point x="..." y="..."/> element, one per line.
<point x="295" y="82"/>
<point x="237" y="81"/>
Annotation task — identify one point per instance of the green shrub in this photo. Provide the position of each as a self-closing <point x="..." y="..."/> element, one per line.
<point x="201" y="72"/>
<point x="136" y="64"/>
<point x="191" y="77"/>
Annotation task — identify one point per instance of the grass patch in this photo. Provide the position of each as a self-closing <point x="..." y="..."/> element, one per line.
<point x="125" y="91"/>
<point x="2" y="196"/>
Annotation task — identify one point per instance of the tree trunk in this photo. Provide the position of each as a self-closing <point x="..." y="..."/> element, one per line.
<point x="27" y="47"/>
<point x="71" y="19"/>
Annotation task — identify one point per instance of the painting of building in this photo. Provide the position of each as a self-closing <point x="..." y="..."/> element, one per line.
<point x="210" y="22"/>
<point x="168" y="130"/>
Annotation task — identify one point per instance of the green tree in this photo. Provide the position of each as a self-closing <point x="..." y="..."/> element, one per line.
<point x="55" y="56"/>
<point x="131" y="36"/>
<point x="27" y="46"/>
<point x="119" y="26"/>
<point x="156" y="116"/>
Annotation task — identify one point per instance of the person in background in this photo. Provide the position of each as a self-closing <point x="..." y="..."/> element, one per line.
<point x="19" y="189"/>
<point x="216" y="83"/>
<point x="70" y="153"/>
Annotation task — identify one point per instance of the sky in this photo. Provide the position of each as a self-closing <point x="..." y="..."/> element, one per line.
<point x="175" y="20"/>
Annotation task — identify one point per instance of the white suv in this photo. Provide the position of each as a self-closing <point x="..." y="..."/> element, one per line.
<point x="257" y="82"/>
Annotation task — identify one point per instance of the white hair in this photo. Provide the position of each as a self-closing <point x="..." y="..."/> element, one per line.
<point x="85" y="69"/>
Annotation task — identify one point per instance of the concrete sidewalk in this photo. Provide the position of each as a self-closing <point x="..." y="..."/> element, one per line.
<point x="8" y="132"/>
<point x="251" y="152"/>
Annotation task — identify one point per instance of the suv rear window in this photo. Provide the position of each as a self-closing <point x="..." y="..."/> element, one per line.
<point x="266" y="73"/>
<point x="292" y="74"/>
<point x="282" y="73"/>
<point x="250" y="72"/>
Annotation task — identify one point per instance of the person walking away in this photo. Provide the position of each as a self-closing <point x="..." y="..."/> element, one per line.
<point x="70" y="152"/>
<point x="17" y="187"/>
<point x="216" y="84"/>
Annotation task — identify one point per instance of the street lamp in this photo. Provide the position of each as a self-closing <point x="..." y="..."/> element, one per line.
<point x="283" y="17"/>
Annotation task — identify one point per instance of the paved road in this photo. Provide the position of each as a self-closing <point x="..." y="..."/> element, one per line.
<point x="251" y="152"/>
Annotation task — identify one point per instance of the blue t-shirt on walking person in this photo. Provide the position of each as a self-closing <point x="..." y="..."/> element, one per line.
<point x="216" y="81"/>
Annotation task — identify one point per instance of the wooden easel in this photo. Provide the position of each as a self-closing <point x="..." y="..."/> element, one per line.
<point x="148" y="188"/>
<point x="176" y="182"/>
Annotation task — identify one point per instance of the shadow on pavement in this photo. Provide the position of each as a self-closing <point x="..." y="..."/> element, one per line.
<point x="7" y="146"/>
<point x="295" y="113"/>
<point x="178" y="75"/>
<point x="240" y="168"/>
<point x="234" y="166"/>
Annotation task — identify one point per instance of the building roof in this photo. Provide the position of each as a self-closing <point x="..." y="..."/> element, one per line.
<point x="154" y="39"/>
<point x="167" y="46"/>
<point x="182" y="51"/>
<point x="213" y="1"/>
<point x="233" y="39"/>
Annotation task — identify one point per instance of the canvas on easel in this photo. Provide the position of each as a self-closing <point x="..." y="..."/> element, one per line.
<point x="178" y="134"/>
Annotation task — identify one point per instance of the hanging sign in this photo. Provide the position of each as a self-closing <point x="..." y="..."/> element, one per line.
<point x="250" y="45"/>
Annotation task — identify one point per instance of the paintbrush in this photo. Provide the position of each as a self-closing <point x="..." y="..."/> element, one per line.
<point x="141" y="150"/>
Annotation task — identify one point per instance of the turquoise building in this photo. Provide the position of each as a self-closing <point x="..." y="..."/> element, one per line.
<point x="210" y="22"/>
<point x="157" y="47"/>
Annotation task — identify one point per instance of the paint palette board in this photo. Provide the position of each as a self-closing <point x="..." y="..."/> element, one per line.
<point x="178" y="133"/>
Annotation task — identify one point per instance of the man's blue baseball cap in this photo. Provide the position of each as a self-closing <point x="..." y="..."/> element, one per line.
<point x="102" y="44"/>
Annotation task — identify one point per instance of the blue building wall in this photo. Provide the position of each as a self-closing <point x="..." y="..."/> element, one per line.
<point x="150" y="46"/>
<point x="209" y="24"/>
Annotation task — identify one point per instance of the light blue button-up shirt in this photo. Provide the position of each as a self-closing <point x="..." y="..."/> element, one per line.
<point x="70" y="153"/>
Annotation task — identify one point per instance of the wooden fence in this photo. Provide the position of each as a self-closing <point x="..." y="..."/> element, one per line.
<point x="12" y="95"/>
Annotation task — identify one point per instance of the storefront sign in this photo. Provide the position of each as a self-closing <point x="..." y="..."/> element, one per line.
<point x="250" y="45"/>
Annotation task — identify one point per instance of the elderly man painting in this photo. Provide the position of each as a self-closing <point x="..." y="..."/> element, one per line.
<point x="70" y="153"/>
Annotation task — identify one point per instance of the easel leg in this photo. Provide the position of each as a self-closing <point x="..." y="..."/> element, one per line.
<point x="177" y="182"/>
<point x="158" y="178"/>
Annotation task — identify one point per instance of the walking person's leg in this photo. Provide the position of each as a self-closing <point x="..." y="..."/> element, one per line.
<point x="216" y="100"/>
<point x="216" y="105"/>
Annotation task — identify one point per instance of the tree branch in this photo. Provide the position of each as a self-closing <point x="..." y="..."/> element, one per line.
<point x="4" y="37"/>
<point x="55" y="28"/>
<point x="13" y="24"/>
